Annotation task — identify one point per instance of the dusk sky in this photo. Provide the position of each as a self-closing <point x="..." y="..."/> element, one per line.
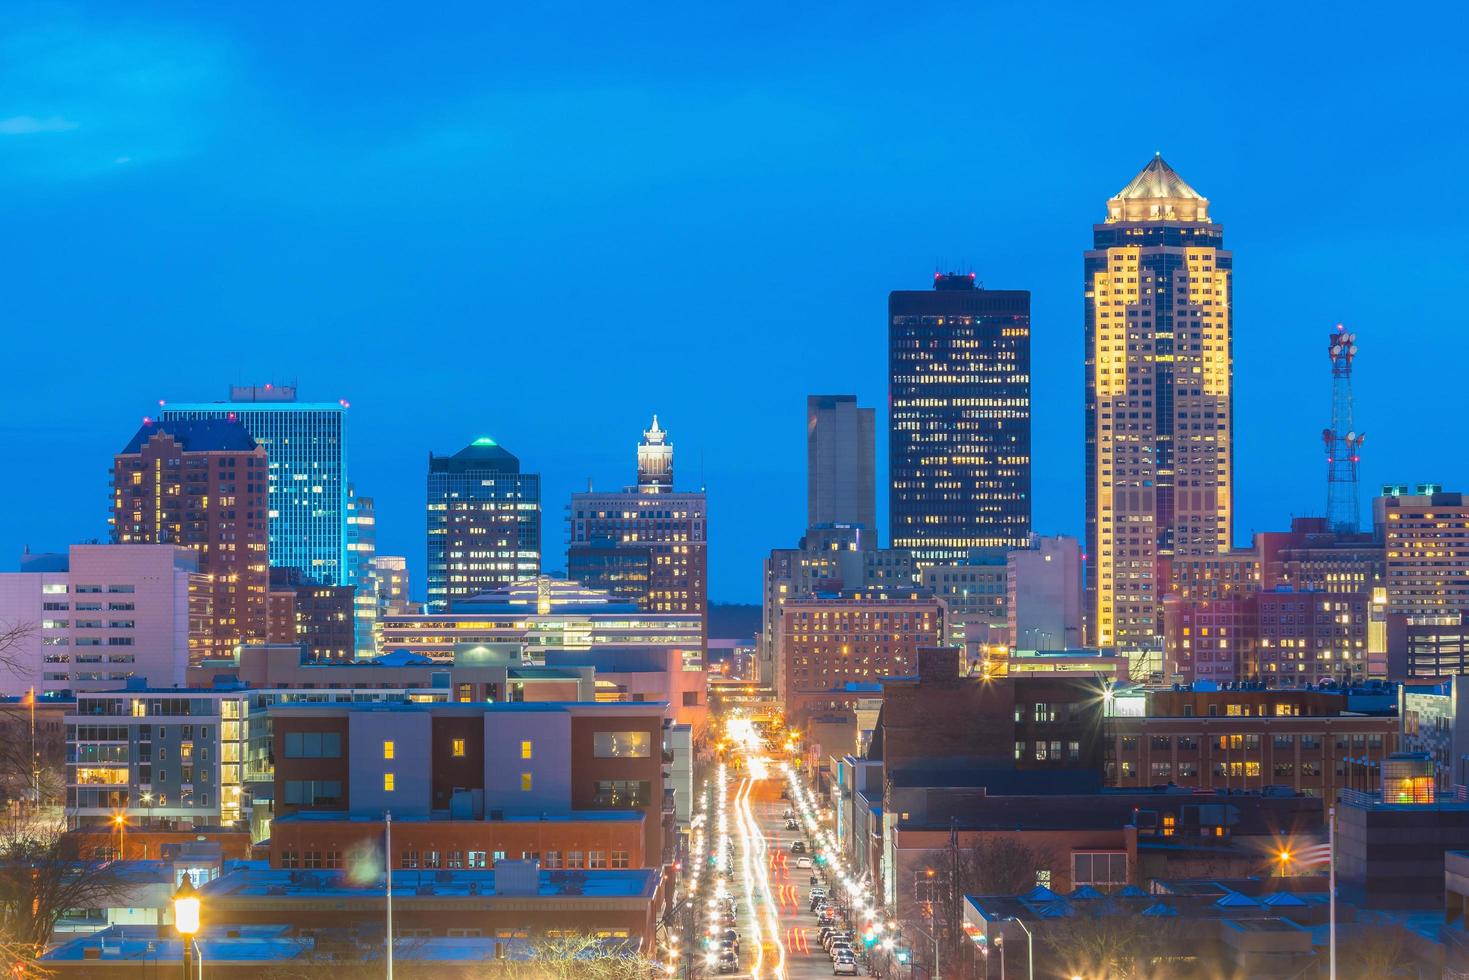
<point x="546" y="222"/>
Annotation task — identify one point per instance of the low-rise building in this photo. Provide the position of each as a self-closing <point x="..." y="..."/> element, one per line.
<point x="157" y="757"/>
<point x="473" y="762"/>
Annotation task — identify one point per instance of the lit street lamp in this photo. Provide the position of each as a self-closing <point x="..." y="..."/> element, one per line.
<point x="186" y="904"/>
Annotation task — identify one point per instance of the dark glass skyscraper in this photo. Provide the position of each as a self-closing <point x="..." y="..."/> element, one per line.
<point x="484" y="522"/>
<point x="959" y="418"/>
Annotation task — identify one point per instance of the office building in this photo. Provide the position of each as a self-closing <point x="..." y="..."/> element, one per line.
<point x="320" y="619"/>
<point x="542" y="615"/>
<point x="959" y="431"/>
<point x="169" y="758"/>
<point x="828" y="559"/>
<point x="1433" y="646"/>
<point x="973" y="590"/>
<point x="104" y="614"/>
<point x="306" y="446"/>
<point x="1159" y="461"/>
<point x="1435" y="722"/>
<point x="612" y="566"/>
<point x="670" y="525"/>
<point x="835" y="649"/>
<point x="1313" y="556"/>
<point x="1043" y="604"/>
<point x="361" y="552"/>
<point x="840" y="471"/>
<point x="391" y="575"/>
<point x="474" y="763"/>
<point x="203" y="485"/>
<point x="1313" y="742"/>
<point x="1426" y="539"/>
<point x="484" y="523"/>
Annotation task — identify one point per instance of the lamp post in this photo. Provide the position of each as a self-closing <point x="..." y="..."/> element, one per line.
<point x="186" y="916"/>
<point x="120" y="821"/>
<point x="1029" y="948"/>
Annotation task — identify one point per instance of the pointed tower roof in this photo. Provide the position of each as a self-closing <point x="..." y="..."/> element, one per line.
<point x="1157" y="193"/>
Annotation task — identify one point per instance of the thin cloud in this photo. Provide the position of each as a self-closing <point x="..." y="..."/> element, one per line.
<point x="30" y="125"/>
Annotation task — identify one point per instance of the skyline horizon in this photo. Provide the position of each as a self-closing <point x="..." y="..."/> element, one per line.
<point x="546" y="229"/>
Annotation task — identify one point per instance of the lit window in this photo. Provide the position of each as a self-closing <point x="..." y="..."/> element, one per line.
<point x="388" y="782"/>
<point x="388" y="750"/>
<point x="525" y="782"/>
<point x="525" y="749"/>
<point x="457" y="748"/>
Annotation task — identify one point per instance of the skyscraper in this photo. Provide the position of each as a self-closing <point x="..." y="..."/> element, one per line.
<point x="203" y="485"/>
<point x="839" y="462"/>
<point x="649" y="530"/>
<point x="361" y="554"/>
<point x="484" y="522"/>
<point x="1159" y="466"/>
<point x="306" y="443"/>
<point x="959" y="431"/>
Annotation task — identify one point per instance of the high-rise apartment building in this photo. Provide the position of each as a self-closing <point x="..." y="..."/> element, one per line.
<point x="669" y="525"/>
<point x="1426" y="539"/>
<point x="202" y="484"/>
<point x="361" y="551"/>
<point x="484" y="522"/>
<point x="1159" y="465"/>
<point x="959" y="431"/>
<point x="306" y="444"/>
<point x="103" y="614"/>
<point x="839" y="462"/>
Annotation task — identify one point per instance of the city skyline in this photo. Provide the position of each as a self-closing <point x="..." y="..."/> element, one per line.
<point x="158" y="151"/>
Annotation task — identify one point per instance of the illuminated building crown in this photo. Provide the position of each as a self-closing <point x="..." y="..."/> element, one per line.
<point x="1157" y="193"/>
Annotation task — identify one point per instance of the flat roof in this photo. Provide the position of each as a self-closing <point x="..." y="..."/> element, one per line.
<point x="572" y="816"/>
<point x="631" y="883"/>
<point x="481" y="707"/>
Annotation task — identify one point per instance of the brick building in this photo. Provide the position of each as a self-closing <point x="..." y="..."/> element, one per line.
<point x="1246" y="740"/>
<point x="830" y="642"/>
<point x="473" y="763"/>
<point x="202" y="484"/>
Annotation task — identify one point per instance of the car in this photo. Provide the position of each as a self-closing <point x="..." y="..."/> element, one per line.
<point x="729" y="963"/>
<point x="824" y="935"/>
<point x="798" y="847"/>
<point x="844" y="967"/>
<point x="792" y="825"/>
<point x="837" y="949"/>
<point x="835" y="936"/>
<point x="803" y="862"/>
<point x="789" y="814"/>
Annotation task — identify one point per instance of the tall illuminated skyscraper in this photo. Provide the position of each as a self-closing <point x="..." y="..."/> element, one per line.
<point x="959" y="426"/>
<point x="484" y="522"/>
<point x="1159" y="351"/>
<point x="306" y="443"/>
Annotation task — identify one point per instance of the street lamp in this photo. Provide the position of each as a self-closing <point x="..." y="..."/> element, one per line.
<point x="186" y="905"/>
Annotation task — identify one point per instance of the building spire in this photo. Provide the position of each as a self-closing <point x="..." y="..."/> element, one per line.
<point x="655" y="460"/>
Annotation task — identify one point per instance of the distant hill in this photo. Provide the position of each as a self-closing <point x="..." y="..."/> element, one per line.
<point x="732" y="621"/>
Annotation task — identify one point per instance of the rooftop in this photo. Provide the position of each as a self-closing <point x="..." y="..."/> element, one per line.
<point x="194" y="435"/>
<point x="1157" y="193"/>
<point x="572" y="816"/>
<point x="480" y="884"/>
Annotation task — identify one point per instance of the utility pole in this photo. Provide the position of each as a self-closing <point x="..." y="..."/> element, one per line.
<point x="388" y="880"/>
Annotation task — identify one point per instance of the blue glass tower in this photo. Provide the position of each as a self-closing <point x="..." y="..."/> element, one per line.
<point x="306" y="444"/>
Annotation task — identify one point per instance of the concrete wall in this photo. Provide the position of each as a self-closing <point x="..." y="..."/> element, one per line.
<point x="549" y="733"/>
<point x="411" y="765"/>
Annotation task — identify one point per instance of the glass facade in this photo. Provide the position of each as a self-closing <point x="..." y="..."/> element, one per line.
<point x="306" y="444"/>
<point x="959" y="431"/>
<point x="484" y="523"/>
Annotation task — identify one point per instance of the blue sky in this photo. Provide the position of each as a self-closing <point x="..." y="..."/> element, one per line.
<point x="546" y="222"/>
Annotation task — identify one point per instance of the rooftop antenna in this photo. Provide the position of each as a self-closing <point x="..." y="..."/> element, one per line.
<point x="1343" y="441"/>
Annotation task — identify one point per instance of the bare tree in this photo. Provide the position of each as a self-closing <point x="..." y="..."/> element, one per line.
<point x="12" y="636"/>
<point x="994" y="865"/>
<point x="38" y="885"/>
<point x="1104" y="941"/>
<point x="1378" y="949"/>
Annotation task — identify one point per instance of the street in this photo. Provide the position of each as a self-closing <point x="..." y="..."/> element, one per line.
<point x="778" y="931"/>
